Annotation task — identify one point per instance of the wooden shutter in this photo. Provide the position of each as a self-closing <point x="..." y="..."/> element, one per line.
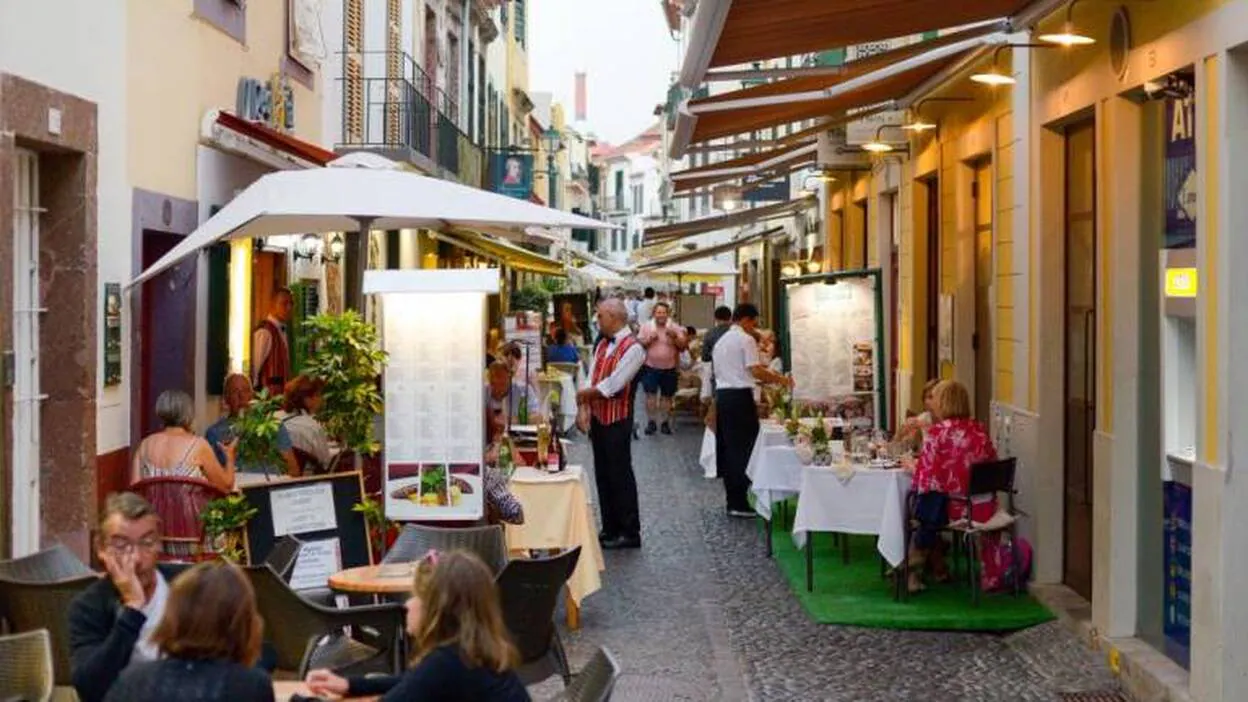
<point x="353" y="71"/>
<point x="394" y="71"/>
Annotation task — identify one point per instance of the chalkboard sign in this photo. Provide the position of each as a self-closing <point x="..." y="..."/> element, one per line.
<point x="313" y="509"/>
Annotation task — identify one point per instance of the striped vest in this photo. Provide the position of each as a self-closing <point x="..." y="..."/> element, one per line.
<point x="275" y="370"/>
<point x="613" y="409"/>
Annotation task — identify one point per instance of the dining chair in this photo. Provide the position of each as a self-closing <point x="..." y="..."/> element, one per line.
<point x="26" y="666"/>
<point x="282" y="559"/>
<point x="415" y="540"/>
<point x="595" y="682"/>
<point x="529" y="590"/>
<point x="988" y="479"/>
<point x="307" y="635"/>
<point x="179" y="501"/>
<point x="55" y="563"/>
<point x="30" y="606"/>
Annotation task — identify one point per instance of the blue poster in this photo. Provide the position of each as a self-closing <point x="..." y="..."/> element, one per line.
<point x="511" y="174"/>
<point x="1177" y="534"/>
<point x="1180" y="187"/>
<point x="773" y="191"/>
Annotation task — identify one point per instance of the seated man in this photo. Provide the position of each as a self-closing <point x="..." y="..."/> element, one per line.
<point x="236" y="397"/>
<point x="112" y="621"/>
<point x="503" y="400"/>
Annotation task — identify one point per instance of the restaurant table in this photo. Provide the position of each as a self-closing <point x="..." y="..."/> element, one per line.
<point x="565" y="384"/>
<point x="863" y="500"/>
<point x="557" y="515"/>
<point x="389" y="579"/>
<point x="774" y="471"/>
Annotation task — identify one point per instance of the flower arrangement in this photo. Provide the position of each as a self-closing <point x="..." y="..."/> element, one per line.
<point x="224" y="519"/>
<point x="813" y="443"/>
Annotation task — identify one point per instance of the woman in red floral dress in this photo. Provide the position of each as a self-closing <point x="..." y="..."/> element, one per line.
<point x="941" y="476"/>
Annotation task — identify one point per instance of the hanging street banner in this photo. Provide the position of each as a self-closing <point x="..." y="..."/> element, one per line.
<point x="1181" y="193"/>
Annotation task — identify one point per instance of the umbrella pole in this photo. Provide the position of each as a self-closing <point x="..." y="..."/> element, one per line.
<point x="355" y="260"/>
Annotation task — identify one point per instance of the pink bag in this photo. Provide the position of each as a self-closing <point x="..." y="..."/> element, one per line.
<point x="998" y="567"/>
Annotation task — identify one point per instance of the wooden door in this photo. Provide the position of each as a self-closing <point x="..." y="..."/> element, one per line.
<point x="167" y="334"/>
<point x="981" y="192"/>
<point x="932" y="260"/>
<point x="1080" y="355"/>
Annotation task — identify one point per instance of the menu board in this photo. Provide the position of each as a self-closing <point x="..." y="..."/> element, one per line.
<point x="834" y="346"/>
<point x="435" y="418"/>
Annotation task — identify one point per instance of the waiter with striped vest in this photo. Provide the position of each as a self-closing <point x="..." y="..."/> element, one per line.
<point x="607" y="400"/>
<point x="270" y="347"/>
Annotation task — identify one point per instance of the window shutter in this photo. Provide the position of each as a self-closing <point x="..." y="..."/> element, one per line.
<point x="394" y="71"/>
<point x="218" y="356"/>
<point x="353" y="70"/>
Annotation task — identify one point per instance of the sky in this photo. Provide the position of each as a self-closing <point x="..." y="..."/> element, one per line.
<point x="623" y="46"/>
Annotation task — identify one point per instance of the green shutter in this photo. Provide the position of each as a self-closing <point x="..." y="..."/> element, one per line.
<point x="392" y="250"/>
<point x="307" y="297"/>
<point x="218" y="357"/>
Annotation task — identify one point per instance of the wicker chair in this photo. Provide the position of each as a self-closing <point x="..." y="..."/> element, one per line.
<point x="595" y="682"/>
<point x="56" y="563"/>
<point x="307" y="635"/>
<point x="26" y="666"/>
<point x="416" y="540"/>
<point x="530" y="589"/>
<point x="29" y="606"/>
<point x="179" y="502"/>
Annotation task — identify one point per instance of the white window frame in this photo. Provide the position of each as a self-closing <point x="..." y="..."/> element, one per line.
<point x="27" y="396"/>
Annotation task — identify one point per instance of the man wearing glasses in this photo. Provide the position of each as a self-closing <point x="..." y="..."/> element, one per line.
<point x="111" y="622"/>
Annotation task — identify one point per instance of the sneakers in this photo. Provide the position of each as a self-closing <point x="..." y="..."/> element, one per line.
<point x="742" y="513"/>
<point x="651" y="428"/>
<point x="666" y="428"/>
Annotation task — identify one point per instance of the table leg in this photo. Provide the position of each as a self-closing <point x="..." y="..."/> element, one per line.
<point x="574" y="611"/>
<point x="810" y="561"/>
<point x="767" y="526"/>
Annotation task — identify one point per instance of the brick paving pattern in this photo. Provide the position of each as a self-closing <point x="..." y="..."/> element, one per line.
<point x="700" y="613"/>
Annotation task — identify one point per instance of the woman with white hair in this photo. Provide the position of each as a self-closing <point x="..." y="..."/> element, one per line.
<point x="175" y="450"/>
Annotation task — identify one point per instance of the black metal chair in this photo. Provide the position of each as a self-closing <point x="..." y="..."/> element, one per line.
<point x="26" y="666"/>
<point x="988" y="479"/>
<point x="29" y="606"/>
<point x="56" y="563"/>
<point x="595" y="682"/>
<point x="529" y="589"/>
<point x="308" y="635"/>
<point x="415" y="540"/>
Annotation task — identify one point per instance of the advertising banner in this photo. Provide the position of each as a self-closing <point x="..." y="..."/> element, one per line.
<point x="1180" y="186"/>
<point x="1177" y="533"/>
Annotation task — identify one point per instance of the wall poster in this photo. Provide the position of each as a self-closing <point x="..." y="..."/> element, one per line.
<point x="1180" y="188"/>
<point x="1177" y="597"/>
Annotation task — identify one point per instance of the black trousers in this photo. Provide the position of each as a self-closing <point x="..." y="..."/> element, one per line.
<point x="736" y="428"/>
<point x="613" y="474"/>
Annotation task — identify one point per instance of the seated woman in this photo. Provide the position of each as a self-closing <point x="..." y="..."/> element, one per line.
<point x="910" y="436"/>
<point x="209" y="641"/>
<point x="942" y="474"/>
<point x="462" y="650"/>
<point x="562" y="351"/>
<point x="237" y="396"/>
<point x="307" y="436"/>
<point x="176" y="451"/>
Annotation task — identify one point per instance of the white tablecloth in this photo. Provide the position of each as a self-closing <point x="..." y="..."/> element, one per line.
<point x="873" y="501"/>
<point x="566" y="386"/>
<point x="774" y="471"/>
<point x="557" y="514"/>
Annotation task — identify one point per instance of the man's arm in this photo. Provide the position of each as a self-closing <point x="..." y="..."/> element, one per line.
<point x="628" y="366"/>
<point x="100" y="644"/>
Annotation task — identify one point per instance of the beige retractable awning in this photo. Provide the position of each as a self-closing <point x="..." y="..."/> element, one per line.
<point x="696" y="254"/>
<point x="672" y="232"/>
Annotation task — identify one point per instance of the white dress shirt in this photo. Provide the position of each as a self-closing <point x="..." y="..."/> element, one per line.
<point x="144" y="650"/>
<point x="735" y="354"/>
<point x="625" y="370"/>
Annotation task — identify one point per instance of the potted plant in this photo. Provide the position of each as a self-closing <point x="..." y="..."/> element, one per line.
<point x="531" y="298"/>
<point x="347" y="357"/>
<point x="224" y="519"/>
<point x="256" y="428"/>
<point x="381" y="531"/>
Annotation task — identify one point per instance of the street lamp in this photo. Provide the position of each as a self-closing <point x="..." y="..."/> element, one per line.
<point x="552" y="142"/>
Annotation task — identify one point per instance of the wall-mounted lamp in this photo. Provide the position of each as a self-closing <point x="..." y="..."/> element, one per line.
<point x="917" y="124"/>
<point x="308" y="246"/>
<point x="1069" y="36"/>
<point x="876" y="145"/>
<point x="813" y="266"/>
<point x="790" y="270"/>
<point x="336" y="247"/>
<point x="994" y="76"/>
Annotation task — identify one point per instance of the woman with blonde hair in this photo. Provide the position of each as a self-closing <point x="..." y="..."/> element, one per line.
<point x="951" y="444"/>
<point x="209" y="640"/>
<point x="462" y="651"/>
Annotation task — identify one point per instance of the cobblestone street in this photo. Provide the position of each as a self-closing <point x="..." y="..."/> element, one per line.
<point x="700" y="613"/>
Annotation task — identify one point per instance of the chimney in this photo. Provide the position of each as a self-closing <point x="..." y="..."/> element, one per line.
<point x="580" y="97"/>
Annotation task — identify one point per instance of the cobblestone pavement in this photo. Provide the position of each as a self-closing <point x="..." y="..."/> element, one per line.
<point x="700" y="613"/>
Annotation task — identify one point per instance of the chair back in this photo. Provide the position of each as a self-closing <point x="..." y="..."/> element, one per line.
<point x="415" y="540"/>
<point x="529" y="590"/>
<point x="32" y="606"/>
<point x="308" y="463"/>
<point x="991" y="477"/>
<point x="290" y="621"/>
<point x="283" y="556"/>
<point x="56" y="563"/>
<point x="596" y="681"/>
<point x="26" y="666"/>
<point x="179" y="501"/>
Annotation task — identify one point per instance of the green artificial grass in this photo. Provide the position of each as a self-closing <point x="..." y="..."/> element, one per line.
<point x="857" y="594"/>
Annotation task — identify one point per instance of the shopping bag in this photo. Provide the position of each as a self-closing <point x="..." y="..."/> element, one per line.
<point x="707" y="458"/>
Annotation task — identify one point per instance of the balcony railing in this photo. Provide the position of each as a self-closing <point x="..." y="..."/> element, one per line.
<point x="390" y="104"/>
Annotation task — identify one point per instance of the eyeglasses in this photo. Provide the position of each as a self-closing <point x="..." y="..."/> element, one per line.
<point x="148" y="544"/>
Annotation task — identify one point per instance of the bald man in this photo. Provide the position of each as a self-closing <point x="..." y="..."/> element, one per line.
<point x="617" y="359"/>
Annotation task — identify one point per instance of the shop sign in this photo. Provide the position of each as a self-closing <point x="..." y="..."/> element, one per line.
<point x="112" y="334"/>
<point x="1177" y="598"/>
<point x="1181" y="191"/>
<point x="511" y="174"/>
<point x="1181" y="282"/>
<point x="758" y="191"/>
<point x="863" y="130"/>
<point x="271" y="102"/>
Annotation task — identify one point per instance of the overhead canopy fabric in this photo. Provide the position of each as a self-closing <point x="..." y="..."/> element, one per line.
<point x="592" y="259"/>
<point x="696" y="254"/>
<point x="777" y="160"/>
<point x="752" y="30"/>
<point x="342" y="199"/>
<point x="706" y="266"/>
<point x="672" y="232"/>
<point x="507" y="253"/>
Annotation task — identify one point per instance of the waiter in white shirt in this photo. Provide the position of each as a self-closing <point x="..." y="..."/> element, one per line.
<point x="605" y="412"/>
<point x="737" y="368"/>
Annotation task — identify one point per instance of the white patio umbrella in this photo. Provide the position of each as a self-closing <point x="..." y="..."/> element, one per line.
<point x="600" y="274"/>
<point x="359" y="194"/>
<point x="700" y="267"/>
